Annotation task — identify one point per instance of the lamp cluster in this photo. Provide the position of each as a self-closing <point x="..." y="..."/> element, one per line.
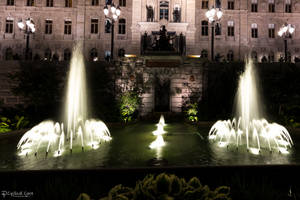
<point x="116" y="11"/>
<point x="286" y="30"/>
<point x="214" y="14"/>
<point x="28" y="26"/>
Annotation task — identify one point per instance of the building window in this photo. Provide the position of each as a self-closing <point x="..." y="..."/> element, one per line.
<point x="271" y="6"/>
<point x="288" y="6"/>
<point x="204" y="28"/>
<point x="68" y="3"/>
<point x="107" y="26"/>
<point x="204" y="54"/>
<point x="204" y="4"/>
<point x="177" y="14"/>
<point x="48" y="55"/>
<point x="94" y="54"/>
<point x="254" y="56"/>
<point x="9" y="26"/>
<point x="67" y="54"/>
<point x="254" y="31"/>
<point x="254" y="6"/>
<point x="68" y="27"/>
<point x="30" y="2"/>
<point x="8" y="54"/>
<point x="230" y="56"/>
<point x="218" y="29"/>
<point x="122" y="26"/>
<point x="95" y="2"/>
<point x="49" y="3"/>
<point x="48" y="26"/>
<point x="94" y="26"/>
<point x="121" y="52"/>
<point x="230" y="4"/>
<point x="271" y="57"/>
<point x="122" y="3"/>
<point x="164" y="10"/>
<point x="271" y="31"/>
<point x="218" y="3"/>
<point x="10" y="2"/>
<point x="230" y="28"/>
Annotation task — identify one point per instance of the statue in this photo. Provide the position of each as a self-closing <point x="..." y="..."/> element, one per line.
<point x="150" y="13"/>
<point x="176" y="15"/>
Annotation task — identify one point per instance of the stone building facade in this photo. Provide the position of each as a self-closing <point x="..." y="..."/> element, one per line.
<point x="165" y="85"/>
<point x="236" y="39"/>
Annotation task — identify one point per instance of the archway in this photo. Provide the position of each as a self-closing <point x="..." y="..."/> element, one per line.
<point x="162" y="95"/>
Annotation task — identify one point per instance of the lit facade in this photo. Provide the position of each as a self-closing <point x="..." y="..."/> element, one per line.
<point x="246" y="28"/>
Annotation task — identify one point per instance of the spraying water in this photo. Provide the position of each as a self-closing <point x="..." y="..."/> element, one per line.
<point x="159" y="142"/>
<point x="80" y="131"/>
<point x="249" y="128"/>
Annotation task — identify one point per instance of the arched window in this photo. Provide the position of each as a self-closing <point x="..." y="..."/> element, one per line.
<point x="204" y="28"/>
<point x="8" y="54"/>
<point x="48" y="55"/>
<point x="254" y="56"/>
<point x="67" y="54"/>
<point x="164" y="10"/>
<point x="230" y="56"/>
<point x="55" y="57"/>
<point x="94" y="54"/>
<point x="271" y="57"/>
<point x="204" y="53"/>
<point x="121" y="52"/>
<point x="122" y="26"/>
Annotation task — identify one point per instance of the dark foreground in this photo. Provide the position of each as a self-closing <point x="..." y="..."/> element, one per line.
<point x="246" y="182"/>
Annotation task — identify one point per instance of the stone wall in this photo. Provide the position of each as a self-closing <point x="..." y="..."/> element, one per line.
<point x="186" y="80"/>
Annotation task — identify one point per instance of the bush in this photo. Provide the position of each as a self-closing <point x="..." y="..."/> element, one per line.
<point x="16" y="123"/>
<point x="167" y="187"/>
<point x="129" y="103"/>
<point x="192" y="112"/>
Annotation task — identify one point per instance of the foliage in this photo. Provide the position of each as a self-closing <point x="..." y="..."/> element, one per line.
<point x="129" y="103"/>
<point x="192" y="112"/>
<point x="39" y="83"/>
<point x="83" y="196"/>
<point x="16" y="123"/>
<point x="291" y="116"/>
<point x="168" y="187"/>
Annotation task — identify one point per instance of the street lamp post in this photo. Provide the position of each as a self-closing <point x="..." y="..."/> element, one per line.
<point x="213" y="15"/>
<point x="286" y="31"/>
<point x="28" y="28"/>
<point x="115" y="13"/>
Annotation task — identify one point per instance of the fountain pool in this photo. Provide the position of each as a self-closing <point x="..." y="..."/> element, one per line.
<point x="130" y="149"/>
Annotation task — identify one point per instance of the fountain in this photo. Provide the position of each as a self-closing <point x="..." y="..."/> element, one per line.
<point x="159" y="142"/>
<point x="80" y="131"/>
<point x="249" y="128"/>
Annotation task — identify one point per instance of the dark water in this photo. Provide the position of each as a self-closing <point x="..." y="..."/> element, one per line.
<point x="129" y="148"/>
